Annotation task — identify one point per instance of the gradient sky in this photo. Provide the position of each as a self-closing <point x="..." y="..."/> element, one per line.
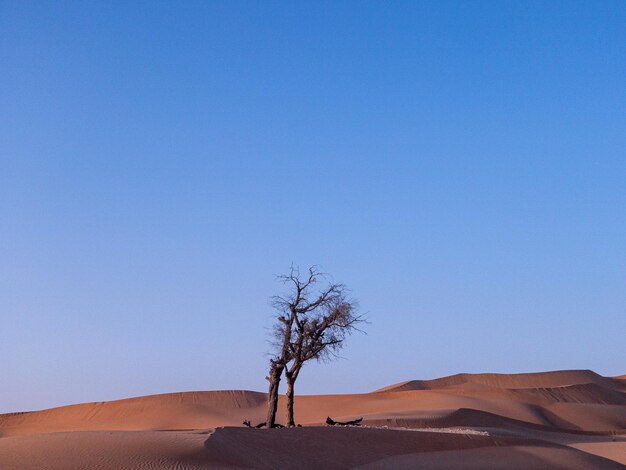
<point x="461" y="166"/>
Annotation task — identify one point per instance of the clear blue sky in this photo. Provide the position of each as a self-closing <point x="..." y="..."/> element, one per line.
<point x="461" y="166"/>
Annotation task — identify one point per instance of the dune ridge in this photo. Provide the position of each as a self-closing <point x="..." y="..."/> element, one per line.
<point x="183" y="410"/>
<point x="508" y="381"/>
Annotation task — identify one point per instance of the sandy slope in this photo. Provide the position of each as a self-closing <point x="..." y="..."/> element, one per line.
<point x="563" y="419"/>
<point x="307" y="448"/>
<point x="533" y="380"/>
<point x="191" y="410"/>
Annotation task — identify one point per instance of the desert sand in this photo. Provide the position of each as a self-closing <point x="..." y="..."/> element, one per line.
<point x="550" y="420"/>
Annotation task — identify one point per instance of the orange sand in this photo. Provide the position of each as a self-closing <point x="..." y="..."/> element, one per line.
<point x="563" y="419"/>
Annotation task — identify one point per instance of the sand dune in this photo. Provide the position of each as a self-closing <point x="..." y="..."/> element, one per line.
<point x="531" y="380"/>
<point x="189" y="410"/>
<point x="496" y="458"/>
<point x="136" y="450"/>
<point x="563" y="419"/>
<point x="583" y="393"/>
<point x="308" y="448"/>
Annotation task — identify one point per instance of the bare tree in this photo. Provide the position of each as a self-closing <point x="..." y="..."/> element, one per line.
<point x="320" y="334"/>
<point x="287" y="311"/>
<point x="312" y="324"/>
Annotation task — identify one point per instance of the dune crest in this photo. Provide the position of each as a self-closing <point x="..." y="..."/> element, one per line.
<point x="558" y="378"/>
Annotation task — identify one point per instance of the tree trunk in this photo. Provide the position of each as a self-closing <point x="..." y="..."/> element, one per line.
<point x="290" y="383"/>
<point x="291" y="376"/>
<point x="272" y="395"/>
